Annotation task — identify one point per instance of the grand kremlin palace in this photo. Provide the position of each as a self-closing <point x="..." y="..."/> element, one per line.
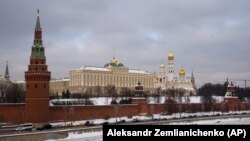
<point x="113" y="73"/>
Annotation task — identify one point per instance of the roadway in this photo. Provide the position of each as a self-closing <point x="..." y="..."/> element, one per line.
<point x="12" y="132"/>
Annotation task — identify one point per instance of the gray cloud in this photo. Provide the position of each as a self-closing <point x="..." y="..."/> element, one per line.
<point x="210" y="37"/>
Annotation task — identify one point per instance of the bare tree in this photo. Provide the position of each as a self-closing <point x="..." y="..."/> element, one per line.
<point x="2" y="92"/>
<point x="89" y="91"/>
<point x="4" y="86"/>
<point x="207" y="98"/>
<point x="15" y="94"/>
<point x="170" y="96"/>
<point x="110" y="92"/>
<point x="126" y="95"/>
<point x="126" y="92"/>
<point x="97" y="90"/>
<point x="157" y="95"/>
<point x="179" y="94"/>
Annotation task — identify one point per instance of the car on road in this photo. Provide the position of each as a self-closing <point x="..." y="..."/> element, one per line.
<point x="45" y="127"/>
<point x="135" y="120"/>
<point x="105" y="123"/>
<point x="25" y="127"/>
<point x="89" y="123"/>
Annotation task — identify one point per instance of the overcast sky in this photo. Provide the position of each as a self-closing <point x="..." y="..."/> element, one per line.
<point x="210" y="37"/>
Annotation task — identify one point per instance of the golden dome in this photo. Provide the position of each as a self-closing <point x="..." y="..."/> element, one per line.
<point x="170" y="56"/>
<point x="114" y="60"/>
<point x="162" y="66"/>
<point x="182" y="72"/>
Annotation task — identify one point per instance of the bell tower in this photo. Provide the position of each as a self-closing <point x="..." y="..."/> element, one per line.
<point x="37" y="81"/>
<point x="170" y="67"/>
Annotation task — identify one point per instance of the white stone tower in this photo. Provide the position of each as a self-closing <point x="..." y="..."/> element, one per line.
<point x="170" y="67"/>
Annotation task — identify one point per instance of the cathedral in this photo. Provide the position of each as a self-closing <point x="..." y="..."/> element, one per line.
<point x="170" y="80"/>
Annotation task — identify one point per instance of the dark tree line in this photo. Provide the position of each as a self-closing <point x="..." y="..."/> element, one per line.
<point x="242" y="92"/>
<point x="13" y="93"/>
<point x="208" y="90"/>
<point x="175" y="96"/>
<point x="215" y="89"/>
<point x="220" y="90"/>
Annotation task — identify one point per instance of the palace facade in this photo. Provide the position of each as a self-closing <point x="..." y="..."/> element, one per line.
<point x="58" y="86"/>
<point x="113" y="73"/>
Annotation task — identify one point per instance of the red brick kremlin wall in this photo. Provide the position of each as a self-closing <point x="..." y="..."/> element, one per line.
<point x="15" y="113"/>
<point x="12" y="113"/>
<point x="91" y="112"/>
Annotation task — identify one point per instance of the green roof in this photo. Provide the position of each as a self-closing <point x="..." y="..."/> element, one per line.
<point x="114" y="63"/>
<point x="37" y="52"/>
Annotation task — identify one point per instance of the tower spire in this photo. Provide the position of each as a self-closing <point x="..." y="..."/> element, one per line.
<point x="38" y="26"/>
<point x="37" y="48"/>
<point x="6" y="75"/>
<point x="193" y="78"/>
<point x="114" y="52"/>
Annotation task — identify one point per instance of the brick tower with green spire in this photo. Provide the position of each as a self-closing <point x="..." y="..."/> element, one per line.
<point x="37" y="81"/>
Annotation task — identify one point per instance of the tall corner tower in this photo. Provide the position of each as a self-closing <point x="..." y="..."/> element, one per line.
<point x="37" y="81"/>
<point x="170" y="67"/>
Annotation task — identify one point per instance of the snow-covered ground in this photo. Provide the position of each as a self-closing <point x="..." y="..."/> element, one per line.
<point x="90" y="136"/>
<point x="151" y="100"/>
<point x="97" y="136"/>
<point x="229" y="121"/>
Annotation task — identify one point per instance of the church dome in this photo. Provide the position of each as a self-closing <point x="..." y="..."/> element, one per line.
<point x="113" y="63"/>
<point x="120" y="65"/>
<point x="170" y="56"/>
<point x="162" y="66"/>
<point x="182" y="72"/>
